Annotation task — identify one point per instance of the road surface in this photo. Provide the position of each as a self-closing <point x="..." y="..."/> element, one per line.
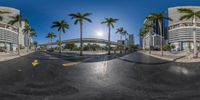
<point x="130" y="77"/>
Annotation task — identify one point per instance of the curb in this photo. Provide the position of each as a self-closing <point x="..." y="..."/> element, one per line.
<point x="13" y="57"/>
<point x="169" y="59"/>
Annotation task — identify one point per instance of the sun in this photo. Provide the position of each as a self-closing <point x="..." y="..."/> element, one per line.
<point x="99" y="34"/>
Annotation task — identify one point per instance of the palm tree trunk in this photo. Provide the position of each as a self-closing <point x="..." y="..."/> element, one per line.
<point x="81" y="38"/>
<point x="18" y="49"/>
<point x="194" y="36"/>
<point x="150" y="41"/>
<point x="48" y="43"/>
<point x="28" y="42"/>
<point x="109" y="40"/>
<point x="121" y="44"/>
<point x="125" y="43"/>
<point x="60" y="42"/>
<point x="51" y="42"/>
<point x="161" y="33"/>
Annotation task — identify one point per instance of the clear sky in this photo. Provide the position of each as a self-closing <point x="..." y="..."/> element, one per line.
<point x="131" y="14"/>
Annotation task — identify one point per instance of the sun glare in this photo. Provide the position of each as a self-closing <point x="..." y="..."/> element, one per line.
<point x="99" y="34"/>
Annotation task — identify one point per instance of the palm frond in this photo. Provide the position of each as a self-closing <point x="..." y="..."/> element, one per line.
<point x="186" y="17"/>
<point x="197" y="14"/>
<point x="60" y="25"/>
<point x="73" y="16"/>
<point x="185" y="10"/>
<point x="112" y="25"/>
<point x="12" y="22"/>
<point x="87" y="19"/>
<point x="115" y="20"/>
<point x="167" y="18"/>
<point x="120" y="30"/>
<point x="109" y="21"/>
<point x="79" y="17"/>
<point x="16" y="19"/>
<point x="87" y="14"/>
<point x="103" y="22"/>
<point x="4" y="12"/>
<point x="76" y="22"/>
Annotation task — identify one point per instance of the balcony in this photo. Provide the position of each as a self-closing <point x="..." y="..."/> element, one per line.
<point x="8" y="27"/>
<point x="183" y="25"/>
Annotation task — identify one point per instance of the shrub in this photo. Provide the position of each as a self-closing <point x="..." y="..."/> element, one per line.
<point x="168" y="47"/>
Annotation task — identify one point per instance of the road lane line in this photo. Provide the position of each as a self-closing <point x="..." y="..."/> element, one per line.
<point x="35" y="63"/>
<point x="70" y="64"/>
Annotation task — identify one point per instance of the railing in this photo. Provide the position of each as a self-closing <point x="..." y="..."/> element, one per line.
<point x="183" y="25"/>
<point x="8" y="27"/>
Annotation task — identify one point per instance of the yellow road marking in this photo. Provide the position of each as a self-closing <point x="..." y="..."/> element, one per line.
<point x="35" y="63"/>
<point x="70" y="64"/>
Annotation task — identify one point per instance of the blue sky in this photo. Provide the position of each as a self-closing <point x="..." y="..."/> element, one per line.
<point x="131" y="14"/>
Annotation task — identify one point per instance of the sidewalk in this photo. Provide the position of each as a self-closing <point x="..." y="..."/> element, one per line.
<point x="8" y="56"/>
<point x="189" y="58"/>
<point x="166" y="55"/>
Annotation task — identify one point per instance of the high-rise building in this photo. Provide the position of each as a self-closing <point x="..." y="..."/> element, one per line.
<point x="130" y="40"/>
<point x="153" y="38"/>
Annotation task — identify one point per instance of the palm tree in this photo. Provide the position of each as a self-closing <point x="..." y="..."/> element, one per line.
<point x="48" y="40"/>
<point x="110" y="23"/>
<point x="32" y="34"/>
<point x="160" y="18"/>
<point x="17" y="20"/>
<point x="3" y="12"/>
<point x="80" y="18"/>
<point x="194" y="15"/>
<point x="149" y="28"/>
<point x="27" y="30"/>
<point x="61" y="26"/>
<point x="51" y="35"/>
<point x="125" y="33"/>
<point x="143" y="33"/>
<point x="120" y="32"/>
<point x="35" y="44"/>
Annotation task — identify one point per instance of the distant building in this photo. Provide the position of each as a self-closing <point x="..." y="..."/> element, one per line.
<point x="153" y="38"/>
<point x="121" y="42"/>
<point x="141" y="40"/>
<point x="181" y="32"/>
<point x="9" y="33"/>
<point x="130" y="40"/>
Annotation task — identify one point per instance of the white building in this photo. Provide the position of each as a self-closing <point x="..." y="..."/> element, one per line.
<point x="9" y="33"/>
<point x="181" y="32"/>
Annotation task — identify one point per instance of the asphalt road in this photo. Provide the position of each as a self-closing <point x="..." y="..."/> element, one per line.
<point x="130" y="77"/>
